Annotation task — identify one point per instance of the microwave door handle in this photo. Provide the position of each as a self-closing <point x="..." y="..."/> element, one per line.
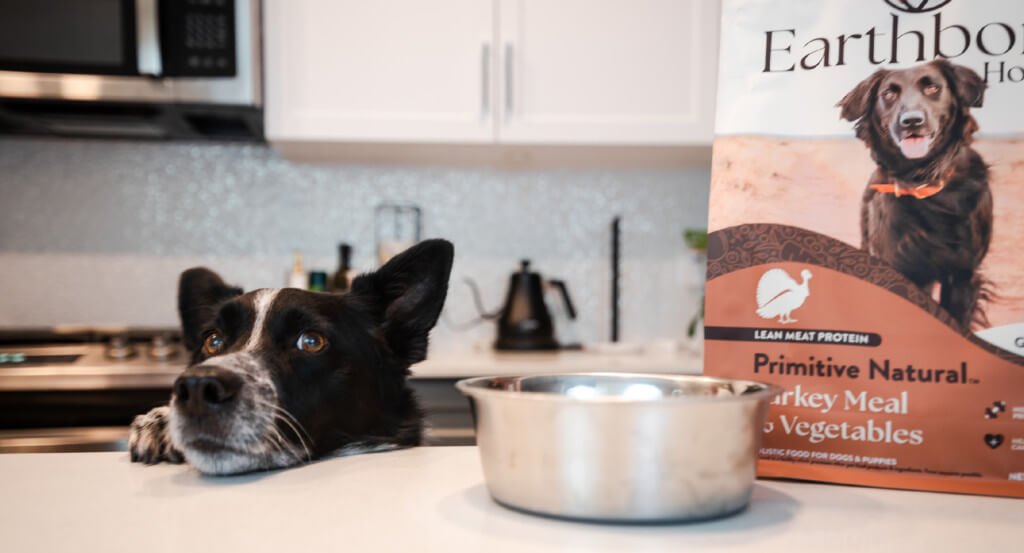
<point x="147" y="34"/>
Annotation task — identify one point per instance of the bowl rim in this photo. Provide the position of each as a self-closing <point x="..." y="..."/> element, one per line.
<point x="471" y="387"/>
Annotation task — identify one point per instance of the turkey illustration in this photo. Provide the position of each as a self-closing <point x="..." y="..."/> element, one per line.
<point x="778" y="294"/>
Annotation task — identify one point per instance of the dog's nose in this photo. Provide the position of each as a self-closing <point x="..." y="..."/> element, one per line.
<point x="200" y="389"/>
<point x="912" y="118"/>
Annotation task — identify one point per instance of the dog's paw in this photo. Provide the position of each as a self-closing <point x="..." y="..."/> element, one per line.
<point x="149" y="441"/>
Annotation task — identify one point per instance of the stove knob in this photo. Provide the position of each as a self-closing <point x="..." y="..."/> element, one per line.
<point x="120" y="348"/>
<point x="162" y="348"/>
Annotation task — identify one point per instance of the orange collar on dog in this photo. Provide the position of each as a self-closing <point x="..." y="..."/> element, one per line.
<point x="920" y="192"/>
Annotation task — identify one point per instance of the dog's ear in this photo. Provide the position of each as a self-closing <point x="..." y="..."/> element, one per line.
<point x="408" y="293"/>
<point x="200" y="290"/>
<point x="857" y="102"/>
<point x="968" y="86"/>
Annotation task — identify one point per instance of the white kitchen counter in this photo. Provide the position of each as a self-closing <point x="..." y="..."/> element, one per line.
<point x="451" y="365"/>
<point x="433" y="499"/>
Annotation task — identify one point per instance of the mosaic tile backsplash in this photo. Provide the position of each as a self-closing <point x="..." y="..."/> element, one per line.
<point x="96" y="232"/>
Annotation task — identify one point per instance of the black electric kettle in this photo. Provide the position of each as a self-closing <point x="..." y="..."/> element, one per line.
<point x="524" y="322"/>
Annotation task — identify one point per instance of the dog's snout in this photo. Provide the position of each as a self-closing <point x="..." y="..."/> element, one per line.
<point x="912" y="118"/>
<point x="203" y="388"/>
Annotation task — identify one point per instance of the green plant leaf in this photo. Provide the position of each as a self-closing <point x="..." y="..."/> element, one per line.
<point x="696" y="238"/>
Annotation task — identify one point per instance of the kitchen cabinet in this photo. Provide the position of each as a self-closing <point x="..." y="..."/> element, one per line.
<point x="379" y="71"/>
<point x="614" y="71"/>
<point x="565" y="72"/>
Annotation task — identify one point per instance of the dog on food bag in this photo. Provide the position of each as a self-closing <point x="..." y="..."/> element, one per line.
<point x="927" y="208"/>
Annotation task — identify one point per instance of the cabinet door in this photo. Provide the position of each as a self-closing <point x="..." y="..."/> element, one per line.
<point x="379" y="70"/>
<point x="609" y="71"/>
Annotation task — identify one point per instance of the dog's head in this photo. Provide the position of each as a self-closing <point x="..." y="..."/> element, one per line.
<point x="282" y="376"/>
<point x="916" y="113"/>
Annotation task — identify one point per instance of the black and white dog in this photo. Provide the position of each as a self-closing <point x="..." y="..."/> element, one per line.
<point x="280" y="377"/>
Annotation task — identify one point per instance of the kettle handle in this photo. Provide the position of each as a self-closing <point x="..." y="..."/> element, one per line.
<point x="569" y="308"/>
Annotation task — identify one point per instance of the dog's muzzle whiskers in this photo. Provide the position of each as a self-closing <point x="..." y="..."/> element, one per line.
<point x="280" y="413"/>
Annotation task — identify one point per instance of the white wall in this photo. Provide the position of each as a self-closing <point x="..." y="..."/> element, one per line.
<point x="96" y="232"/>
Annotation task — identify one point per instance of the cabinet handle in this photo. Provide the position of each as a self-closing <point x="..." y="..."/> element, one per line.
<point x="508" y="80"/>
<point x="485" y="78"/>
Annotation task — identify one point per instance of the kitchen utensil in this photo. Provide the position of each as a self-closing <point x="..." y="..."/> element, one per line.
<point x="616" y="269"/>
<point x="525" y="322"/>
<point x="619" y="447"/>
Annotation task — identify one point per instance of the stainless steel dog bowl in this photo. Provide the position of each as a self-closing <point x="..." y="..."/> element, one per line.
<point x="619" y="447"/>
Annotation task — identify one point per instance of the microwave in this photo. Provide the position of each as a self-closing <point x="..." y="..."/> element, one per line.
<point x="159" y="68"/>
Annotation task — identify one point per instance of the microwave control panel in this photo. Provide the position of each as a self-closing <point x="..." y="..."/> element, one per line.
<point x="197" y="38"/>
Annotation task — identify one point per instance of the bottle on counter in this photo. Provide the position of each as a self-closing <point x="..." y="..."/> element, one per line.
<point x="342" y="278"/>
<point x="317" y="281"/>
<point x="297" y="278"/>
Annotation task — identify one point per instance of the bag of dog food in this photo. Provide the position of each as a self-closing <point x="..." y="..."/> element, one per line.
<point x="865" y="237"/>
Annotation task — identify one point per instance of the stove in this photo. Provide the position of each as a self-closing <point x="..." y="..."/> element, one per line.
<point x="77" y="389"/>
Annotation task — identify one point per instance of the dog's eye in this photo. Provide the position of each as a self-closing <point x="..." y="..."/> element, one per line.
<point x="889" y="95"/>
<point x="312" y="342"/>
<point x="931" y="89"/>
<point x="213" y="344"/>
